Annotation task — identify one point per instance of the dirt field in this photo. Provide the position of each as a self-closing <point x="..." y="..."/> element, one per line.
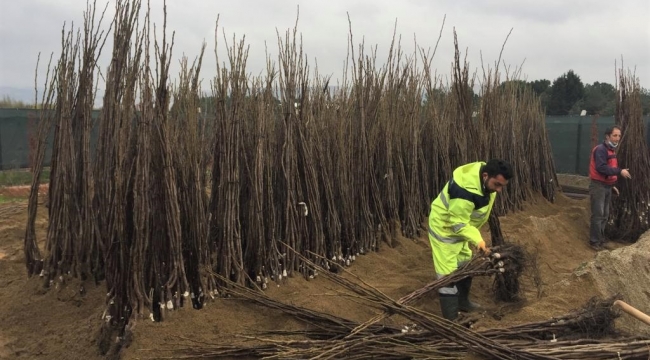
<point x="63" y="324"/>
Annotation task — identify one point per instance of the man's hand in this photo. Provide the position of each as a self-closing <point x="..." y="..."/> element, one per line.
<point x="626" y="173"/>
<point x="615" y="190"/>
<point x="481" y="246"/>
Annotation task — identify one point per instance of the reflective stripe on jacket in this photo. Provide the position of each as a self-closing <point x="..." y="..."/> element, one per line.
<point x="461" y="208"/>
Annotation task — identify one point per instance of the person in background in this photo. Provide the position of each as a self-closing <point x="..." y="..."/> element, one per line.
<point x="461" y="208"/>
<point x="603" y="172"/>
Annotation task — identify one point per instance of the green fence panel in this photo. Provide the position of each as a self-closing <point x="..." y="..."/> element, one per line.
<point x="16" y="127"/>
<point x="570" y="138"/>
<point x="18" y="136"/>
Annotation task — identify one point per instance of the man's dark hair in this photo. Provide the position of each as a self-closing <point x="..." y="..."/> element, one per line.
<point x="496" y="167"/>
<point x="610" y="130"/>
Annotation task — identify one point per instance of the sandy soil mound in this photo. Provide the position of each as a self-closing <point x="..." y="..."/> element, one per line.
<point x="625" y="271"/>
<point x="62" y="323"/>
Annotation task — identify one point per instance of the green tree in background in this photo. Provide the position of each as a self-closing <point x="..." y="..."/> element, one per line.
<point x="543" y="89"/>
<point x="645" y="101"/>
<point x="520" y="86"/>
<point x="569" y="96"/>
<point x="8" y="103"/>
<point x="540" y="86"/>
<point x="566" y="91"/>
<point x="600" y="98"/>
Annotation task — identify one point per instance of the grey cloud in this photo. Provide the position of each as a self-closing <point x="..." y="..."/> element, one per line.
<point x="550" y="36"/>
<point x="548" y="11"/>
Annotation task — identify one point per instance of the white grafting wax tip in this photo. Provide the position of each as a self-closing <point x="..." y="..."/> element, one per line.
<point x="305" y="211"/>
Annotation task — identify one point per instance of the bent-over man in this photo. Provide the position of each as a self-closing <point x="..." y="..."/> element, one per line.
<point x="461" y="208"/>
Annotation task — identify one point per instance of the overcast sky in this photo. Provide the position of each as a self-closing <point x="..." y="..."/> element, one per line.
<point x="549" y="37"/>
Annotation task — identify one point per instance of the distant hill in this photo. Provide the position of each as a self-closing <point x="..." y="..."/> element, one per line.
<point x="26" y="95"/>
<point x="18" y="94"/>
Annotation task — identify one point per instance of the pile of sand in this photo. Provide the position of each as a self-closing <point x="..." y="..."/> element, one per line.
<point x="624" y="271"/>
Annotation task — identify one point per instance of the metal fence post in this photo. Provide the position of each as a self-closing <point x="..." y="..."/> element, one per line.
<point x="577" y="169"/>
<point x="2" y="165"/>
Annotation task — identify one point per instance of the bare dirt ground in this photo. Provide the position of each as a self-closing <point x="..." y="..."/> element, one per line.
<point x="63" y="324"/>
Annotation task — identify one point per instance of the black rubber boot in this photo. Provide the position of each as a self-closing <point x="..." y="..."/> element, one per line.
<point x="449" y="306"/>
<point x="464" y="304"/>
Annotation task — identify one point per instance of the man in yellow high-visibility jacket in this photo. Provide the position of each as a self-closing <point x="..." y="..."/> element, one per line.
<point x="461" y="208"/>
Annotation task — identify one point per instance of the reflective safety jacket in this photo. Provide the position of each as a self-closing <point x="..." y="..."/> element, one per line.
<point x="462" y="207"/>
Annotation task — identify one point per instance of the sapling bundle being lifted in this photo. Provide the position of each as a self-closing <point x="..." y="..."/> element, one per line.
<point x="506" y="285"/>
<point x="630" y="211"/>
